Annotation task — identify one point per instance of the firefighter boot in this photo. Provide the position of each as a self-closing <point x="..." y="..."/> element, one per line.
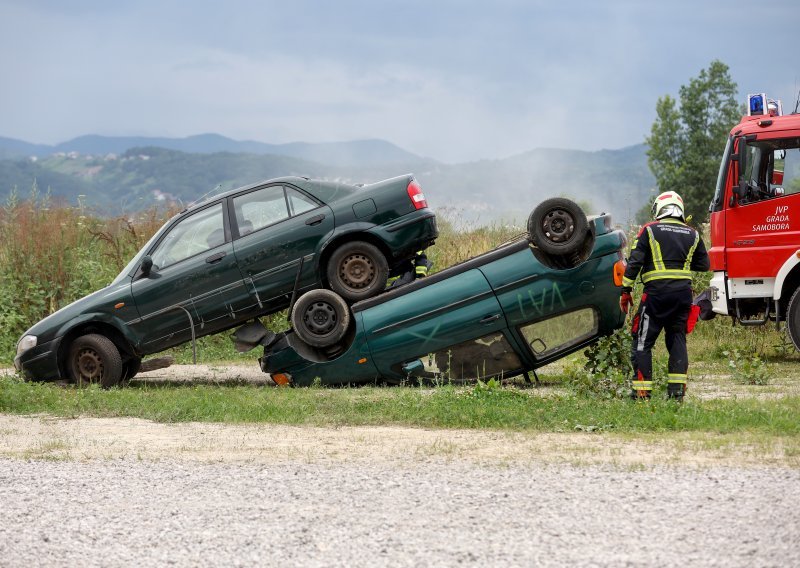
<point x="676" y="391"/>
<point x="641" y="389"/>
<point x="676" y="386"/>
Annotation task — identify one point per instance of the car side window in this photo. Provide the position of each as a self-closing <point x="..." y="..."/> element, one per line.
<point x="198" y="233"/>
<point x="487" y="356"/>
<point x="298" y="202"/>
<point x="560" y="332"/>
<point x="258" y="209"/>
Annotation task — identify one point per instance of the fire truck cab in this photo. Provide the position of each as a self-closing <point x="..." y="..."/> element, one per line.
<point x="755" y="220"/>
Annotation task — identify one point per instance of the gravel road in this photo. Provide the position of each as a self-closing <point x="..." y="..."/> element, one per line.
<point x="422" y="513"/>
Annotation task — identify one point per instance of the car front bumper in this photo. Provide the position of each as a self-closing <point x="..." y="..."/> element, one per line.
<point x="39" y="362"/>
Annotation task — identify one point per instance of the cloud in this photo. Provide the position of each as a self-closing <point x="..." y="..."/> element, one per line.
<point x="452" y="80"/>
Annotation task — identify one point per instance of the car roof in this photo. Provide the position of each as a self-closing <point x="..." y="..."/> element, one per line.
<point x="302" y="182"/>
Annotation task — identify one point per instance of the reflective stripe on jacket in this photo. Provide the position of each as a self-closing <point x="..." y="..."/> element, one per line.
<point x="666" y="250"/>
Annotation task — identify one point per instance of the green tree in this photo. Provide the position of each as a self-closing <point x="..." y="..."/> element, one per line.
<point x="687" y="139"/>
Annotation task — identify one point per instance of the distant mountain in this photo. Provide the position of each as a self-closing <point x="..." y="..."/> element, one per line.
<point x="354" y="153"/>
<point x="615" y="181"/>
<point x="10" y="149"/>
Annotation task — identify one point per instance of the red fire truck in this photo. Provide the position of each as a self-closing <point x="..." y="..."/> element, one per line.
<point x="755" y="220"/>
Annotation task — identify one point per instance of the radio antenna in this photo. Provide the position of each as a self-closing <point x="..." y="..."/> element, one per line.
<point x="209" y="192"/>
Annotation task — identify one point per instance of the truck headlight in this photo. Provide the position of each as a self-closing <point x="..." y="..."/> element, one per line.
<point x="27" y="342"/>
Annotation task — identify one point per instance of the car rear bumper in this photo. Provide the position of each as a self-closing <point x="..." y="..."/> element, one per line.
<point x="40" y="362"/>
<point x="410" y="233"/>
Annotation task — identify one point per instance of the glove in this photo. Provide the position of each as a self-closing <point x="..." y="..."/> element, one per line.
<point x="625" y="302"/>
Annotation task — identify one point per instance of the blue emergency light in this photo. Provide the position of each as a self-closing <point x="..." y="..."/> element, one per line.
<point x="760" y="105"/>
<point x="757" y="104"/>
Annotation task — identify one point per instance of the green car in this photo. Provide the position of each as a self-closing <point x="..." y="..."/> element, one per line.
<point x="503" y="313"/>
<point x="232" y="258"/>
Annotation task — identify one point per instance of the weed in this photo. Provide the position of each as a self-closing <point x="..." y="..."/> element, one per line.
<point x="607" y="370"/>
<point x="747" y="368"/>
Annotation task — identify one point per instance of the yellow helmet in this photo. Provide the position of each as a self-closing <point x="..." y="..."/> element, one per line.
<point x="668" y="204"/>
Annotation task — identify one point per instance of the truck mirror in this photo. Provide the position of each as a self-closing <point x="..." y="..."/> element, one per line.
<point x="741" y="157"/>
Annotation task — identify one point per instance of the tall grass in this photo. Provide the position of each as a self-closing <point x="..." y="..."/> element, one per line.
<point x="52" y="253"/>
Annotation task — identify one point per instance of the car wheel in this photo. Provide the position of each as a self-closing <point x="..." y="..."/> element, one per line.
<point x="558" y="226"/>
<point x="94" y="359"/>
<point x="357" y="271"/>
<point x="130" y="368"/>
<point x="320" y="318"/>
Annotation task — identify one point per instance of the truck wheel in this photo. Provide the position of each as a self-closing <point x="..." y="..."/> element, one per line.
<point x="793" y="319"/>
<point x="357" y="271"/>
<point x="94" y="359"/>
<point x="320" y="318"/>
<point x="558" y="227"/>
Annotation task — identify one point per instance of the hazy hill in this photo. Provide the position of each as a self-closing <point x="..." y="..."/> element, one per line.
<point x="616" y="181"/>
<point x="357" y="152"/>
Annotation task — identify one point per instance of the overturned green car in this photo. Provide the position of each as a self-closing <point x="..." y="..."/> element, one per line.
<point x="501" y="314"/>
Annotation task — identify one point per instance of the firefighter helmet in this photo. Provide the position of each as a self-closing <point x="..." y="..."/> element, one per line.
<point x="668" y="204"/>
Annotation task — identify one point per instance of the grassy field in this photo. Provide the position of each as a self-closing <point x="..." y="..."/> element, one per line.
<point x="719" y="402"/>
<point x="747" y="377"/>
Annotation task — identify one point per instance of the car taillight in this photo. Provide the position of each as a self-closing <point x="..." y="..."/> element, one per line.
<point x="416" y="195"/>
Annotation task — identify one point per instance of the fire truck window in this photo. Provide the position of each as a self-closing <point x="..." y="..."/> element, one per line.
<point x="773" y="169"/>
<point x="786" y="172"/>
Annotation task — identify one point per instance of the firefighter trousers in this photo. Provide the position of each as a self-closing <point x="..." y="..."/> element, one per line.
<point x="668" y="311"/>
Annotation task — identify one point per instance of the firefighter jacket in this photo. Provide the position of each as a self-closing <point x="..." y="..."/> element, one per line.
<point x="664" y="254"/>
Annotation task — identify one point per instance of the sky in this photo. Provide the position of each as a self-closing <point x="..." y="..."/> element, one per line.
<point x="451" y="80"/>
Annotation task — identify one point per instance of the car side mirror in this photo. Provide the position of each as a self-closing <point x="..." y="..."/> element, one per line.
<point x="413" y="368"/>
<point x="147" y="265"/>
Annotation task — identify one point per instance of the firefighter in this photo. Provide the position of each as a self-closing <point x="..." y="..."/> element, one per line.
<point x="666" y="252"/>
<point x="410" y="270"/>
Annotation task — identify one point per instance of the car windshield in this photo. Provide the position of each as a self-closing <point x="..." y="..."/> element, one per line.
<point x="126" y="272"/>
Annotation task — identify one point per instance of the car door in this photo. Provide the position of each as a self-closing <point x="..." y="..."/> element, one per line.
<point x="193" y="279"/>
<point x="454" y="327"/>
<point x="274" y="227"/>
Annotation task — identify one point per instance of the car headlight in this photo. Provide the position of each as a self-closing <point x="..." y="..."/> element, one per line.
<point x="27" y="342"/>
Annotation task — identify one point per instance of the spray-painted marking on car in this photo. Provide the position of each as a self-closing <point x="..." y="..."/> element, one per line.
<point x="429" y="337"/>
<point x="538" y="306"/>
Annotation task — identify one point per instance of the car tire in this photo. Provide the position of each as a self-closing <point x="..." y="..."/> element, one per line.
<point x="320" y="318"/>
<point x="558" y="226"/>
<point x="94" y="359"/>
<point x="357" y="271"/>
<point x="130" y="368"/>
<point x="793" y="319"/>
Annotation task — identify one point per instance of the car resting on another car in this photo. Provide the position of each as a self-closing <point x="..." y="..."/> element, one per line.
<point x="232" y="258"/>
<point x="503" y="313"/>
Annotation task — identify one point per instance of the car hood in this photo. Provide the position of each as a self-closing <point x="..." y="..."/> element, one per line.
<point x="102" y="301"/>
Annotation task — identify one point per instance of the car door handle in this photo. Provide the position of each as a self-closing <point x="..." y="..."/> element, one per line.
<point x="490" y="319"/>
<point x="216" y="257"/>
<point x="315" y="220"/>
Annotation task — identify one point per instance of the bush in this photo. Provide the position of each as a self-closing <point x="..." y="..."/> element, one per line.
<point x="607" y="371"/>
<point x="748" y="367"/>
